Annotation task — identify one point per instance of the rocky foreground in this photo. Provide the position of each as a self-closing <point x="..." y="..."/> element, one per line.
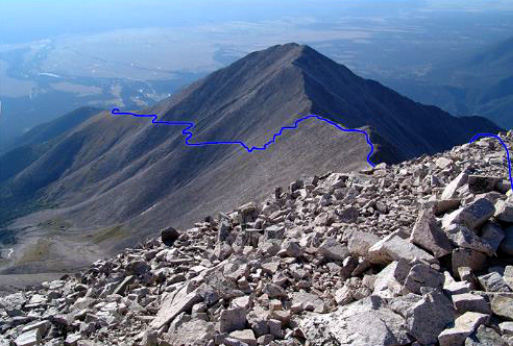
<point x="418" y="253"/>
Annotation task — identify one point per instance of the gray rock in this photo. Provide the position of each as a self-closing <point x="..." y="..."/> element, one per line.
<point x="395" y="247"/>
<point x="350" y="325"/>
<point x="473" y="215"/>
<point x="30" y="338"/>
<point x="195" y="333"/>
<point x="492" y="234"/>
<point x="464" y="325"/>
<point x="493" y="282"/>
<point x="246" y="336"/>
<point x="429" y="317"/>
<point x="359" y="242"/>
<point x="478" y="184"/>
<point x="391" y="279"/>
<point x="466" y="238"/>
<point x="428" y="235"/>
<point x="471" y="302"/>
<point x="451" y="189"/>
<point x="423" y="276"/>
<point x="232" y="319"/>
<point x="331" y="249"/>
<point x="13" y="304"/>
<point x="503" y="306"/>
<point x="485" y="337"/>
<point x="473" y="259"/>
<point x="274" y="232"/>
<point x="504" y="211"/>
<point x="173" y="305"/>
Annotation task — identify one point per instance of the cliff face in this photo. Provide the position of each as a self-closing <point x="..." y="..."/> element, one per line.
<point x="414" y="252"/>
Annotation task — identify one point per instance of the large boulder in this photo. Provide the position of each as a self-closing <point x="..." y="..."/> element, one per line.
<point x="350" y="325"/>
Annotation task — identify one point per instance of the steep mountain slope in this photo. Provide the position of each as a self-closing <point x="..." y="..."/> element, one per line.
<point x="112" y="180"/>
<point x="481" y="84"/>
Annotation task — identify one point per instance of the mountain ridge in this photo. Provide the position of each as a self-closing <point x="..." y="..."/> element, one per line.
<point x="130" y="174"/>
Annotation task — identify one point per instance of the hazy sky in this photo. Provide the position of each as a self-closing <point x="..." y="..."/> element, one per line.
<point x="28" y="20"/>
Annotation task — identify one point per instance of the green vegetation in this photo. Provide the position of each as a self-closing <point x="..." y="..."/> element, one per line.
<point x="109" y="233"/>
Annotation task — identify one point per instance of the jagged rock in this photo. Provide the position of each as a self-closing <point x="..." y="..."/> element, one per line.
<point x="492" y="234"/>
<point x="473" y="215"/>
<point x="429" y="317"/>
<point x="478" y="184"/>
<point x="359" y="242"/>
<point x="232" y="319"/>
<point x="391" y="279"/>
<point x="471" y="302"/>
<point x="331" y="249"/>
<point x="453" y="287"/>
<point x="350" y="325"/>
<point x="395" y="247"/>
<point x="504" y="211"/>
<point x="470" y="258"/>
<point x="274" y="232"/>
<point x="452" y="187"/>
<point x="173" y="305"/>
<point x="29" y="338"/>
<point x="428" y="235"/>
<point x="503" y="306"/>
<point x="246" y="336"/>
<point x="464" y="237"/>
<point x="169" y="236"/>
<point x="485" y="337"/>
<point x="423" y="276"/>
<point x="464" y="325"/>
<point x="13" y="304"/>
<point x="194" y="333"/>
<point x="493" y="282"/>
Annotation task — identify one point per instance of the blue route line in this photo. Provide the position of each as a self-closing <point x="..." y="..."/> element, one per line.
<point x="505" y="147"/>
<point x="189" y="125"/>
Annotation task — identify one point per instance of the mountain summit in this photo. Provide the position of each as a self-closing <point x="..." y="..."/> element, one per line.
<point x="112" y="180"/>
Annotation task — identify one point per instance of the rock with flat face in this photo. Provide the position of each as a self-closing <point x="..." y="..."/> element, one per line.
<point x="391" y="279"/>
<point x="462" y="236"/>
<point x="423" y="276"/>
<point x="30" y="338"/>
<point x="394" y="248"/>
<point x="428" y="235"/>
<point x="464" y="325"/>
<point x="470" y="258"/>
<point x="485" y="336"/>
<point x="195" y="333"/>
<point x="492" y="234"/>
<point x="451" y="189"/>
<point x="173" y="305"/>
<point x="430" y="316"/>
<point x="333" y="250"/>
<point x="493" y="282"/>
<point x="503" y="306"/>
<point x="471" y="302"/>
<point x="350" y="325"/>
<point x="504" y="210"/>
<point x="473" y="215"/>
<point x="359" y="242"/>
<point x="232" y="319"/>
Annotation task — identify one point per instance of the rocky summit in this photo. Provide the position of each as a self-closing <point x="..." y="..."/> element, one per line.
<point x="418" y="253"/>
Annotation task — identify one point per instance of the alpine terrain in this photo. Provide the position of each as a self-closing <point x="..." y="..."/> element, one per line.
<point x="108" y="182"/>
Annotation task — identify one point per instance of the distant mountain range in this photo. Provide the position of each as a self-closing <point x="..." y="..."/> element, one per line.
<point x="106" y="182"/>
<point x="479" y="84"/>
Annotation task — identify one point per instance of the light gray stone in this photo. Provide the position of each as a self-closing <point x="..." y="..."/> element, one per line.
<point x="428" y="235"/>
<point x="464" y="325"/>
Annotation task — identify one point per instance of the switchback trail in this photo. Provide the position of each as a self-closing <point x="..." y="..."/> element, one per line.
<point x="190" y="125"/>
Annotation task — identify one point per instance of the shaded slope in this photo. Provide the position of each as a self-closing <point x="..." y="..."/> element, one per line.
<point x="129" y="173"/>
